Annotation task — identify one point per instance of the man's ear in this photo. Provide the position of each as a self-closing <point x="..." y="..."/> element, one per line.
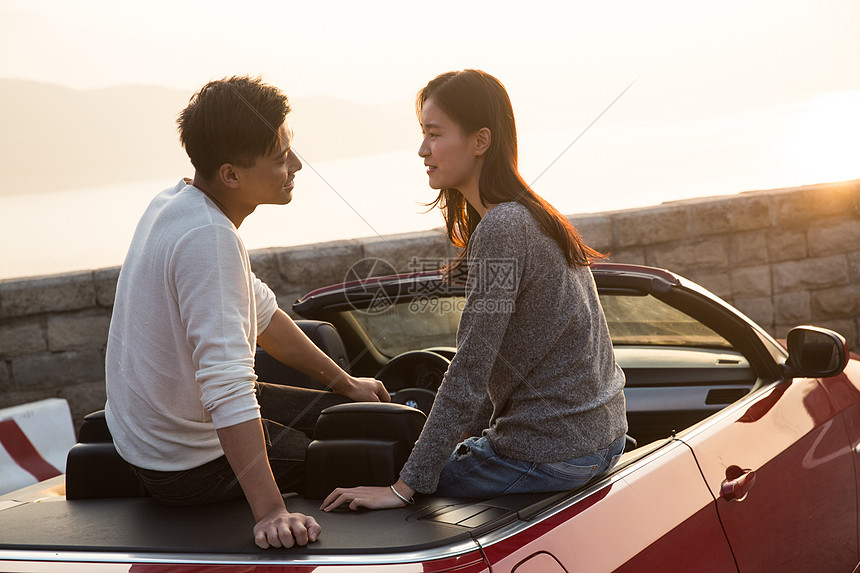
<point x="483" y="137"/>
<point x="228" y="176"/>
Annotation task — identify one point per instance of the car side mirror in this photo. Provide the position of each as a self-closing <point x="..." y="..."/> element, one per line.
<point x="815" y="352"/>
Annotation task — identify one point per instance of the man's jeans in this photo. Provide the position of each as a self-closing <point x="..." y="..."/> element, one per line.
<point x="288" y="414"/>
<point x="476" y="470"/>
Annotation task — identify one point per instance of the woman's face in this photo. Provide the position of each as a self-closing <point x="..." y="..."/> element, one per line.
<point x="451" y="156"/>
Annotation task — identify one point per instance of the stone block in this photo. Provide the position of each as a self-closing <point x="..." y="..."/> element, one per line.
<point x="678" y="257"/>
<point x="791" y="207"/>
<point x="264" y="265"/>
<point x="407" y="252"/>
<point x="838" y="302"/>
<point x="841" y="198"/>
<point x="750" y="281"/>
<point x="18" y="397"/>
<point x="758" y="309"/>
<point x="84" y="399"/>
<point x="854" y="341"/>
<point x="57" y="369"/>
<point x="5" y="376"/>
<point x="23" y="297"/>
<point x="649" y="226"/>
<point x="810" y="274"/>
<point x="731" y="215"/>
<point x="25" y="336"/>
<point x="803" y="205"/>
<point x="631" y="256"/>
<point x="792" y="308"/>
<point x="718" y="283"/>
<point x="854" y="266"/>
<point x="780" y="331"/>
<point x="786" y="245"/>
<point x="311" y="266"/>
<point x="748" y="249"/>
<point x="105" y="281"/>
<point x="834" y="236"/>
<point x="595" y="230"/>
<point x="86" y="329"/>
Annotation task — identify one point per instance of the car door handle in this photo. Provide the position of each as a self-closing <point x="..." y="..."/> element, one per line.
<point x="737" y="488"/>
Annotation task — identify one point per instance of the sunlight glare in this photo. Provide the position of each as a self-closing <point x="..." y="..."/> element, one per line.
<point x="824" y="142"/>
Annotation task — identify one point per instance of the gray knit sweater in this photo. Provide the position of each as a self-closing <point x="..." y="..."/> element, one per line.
<point x="534" y="369"/>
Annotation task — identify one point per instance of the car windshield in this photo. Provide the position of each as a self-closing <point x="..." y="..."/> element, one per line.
<point x="419" y="323"/>
<point x="632" y="320"/>
<point x="647" y="321"/>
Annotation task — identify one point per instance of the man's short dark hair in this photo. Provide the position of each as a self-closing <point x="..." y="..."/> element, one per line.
<point x="232" y="120"/>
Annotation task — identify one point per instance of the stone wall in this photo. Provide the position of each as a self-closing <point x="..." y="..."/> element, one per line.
<point x="783" y="257"/>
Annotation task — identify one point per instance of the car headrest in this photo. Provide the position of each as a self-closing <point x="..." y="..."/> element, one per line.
<point x="324" y="336"/>
<point x="373" y="420"/>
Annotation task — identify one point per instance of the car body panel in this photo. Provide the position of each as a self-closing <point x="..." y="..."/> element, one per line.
<point x="612" y="528"/>
<point x="844" y="390"/>
<point x="793" y="439"/>
<point x="472" y="564"/>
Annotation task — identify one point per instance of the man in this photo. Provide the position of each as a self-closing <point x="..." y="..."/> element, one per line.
<point x="183" y="404"/>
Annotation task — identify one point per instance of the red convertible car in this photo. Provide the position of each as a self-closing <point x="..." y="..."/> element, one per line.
<point x="742" y="455"/>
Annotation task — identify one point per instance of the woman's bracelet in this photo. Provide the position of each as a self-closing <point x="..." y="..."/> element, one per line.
<point x="410" y="501"/>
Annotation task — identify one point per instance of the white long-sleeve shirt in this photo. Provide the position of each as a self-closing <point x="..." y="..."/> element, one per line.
<point x="180" y="353"/>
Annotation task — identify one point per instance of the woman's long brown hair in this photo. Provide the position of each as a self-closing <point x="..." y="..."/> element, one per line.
<point x="475" y="99"/>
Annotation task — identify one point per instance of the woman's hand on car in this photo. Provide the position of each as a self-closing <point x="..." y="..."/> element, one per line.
<point x="368" y="497"/>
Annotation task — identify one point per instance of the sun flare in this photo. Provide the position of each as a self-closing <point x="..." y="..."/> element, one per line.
<point x="824" y="142"/>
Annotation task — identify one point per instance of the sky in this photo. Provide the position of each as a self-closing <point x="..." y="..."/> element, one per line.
<point x="724" y="96"/>
<point x="705" y="55"/>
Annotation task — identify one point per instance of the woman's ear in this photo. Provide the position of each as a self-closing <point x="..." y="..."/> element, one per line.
<point x="483" y="137"/>
<point x="228" y="176"/>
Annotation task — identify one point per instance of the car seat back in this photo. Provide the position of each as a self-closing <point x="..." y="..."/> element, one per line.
<point x="324" y="336"/>
<point x="94" y="469"/>
<point x="361" y="443"/>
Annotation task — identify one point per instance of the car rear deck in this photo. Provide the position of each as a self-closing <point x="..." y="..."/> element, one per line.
<point x="34" y="524"/>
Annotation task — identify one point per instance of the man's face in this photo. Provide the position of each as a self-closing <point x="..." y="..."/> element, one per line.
<point x="270" y="180"/>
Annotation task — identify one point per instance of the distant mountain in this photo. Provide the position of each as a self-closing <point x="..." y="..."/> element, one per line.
<point x="57" y="138"/>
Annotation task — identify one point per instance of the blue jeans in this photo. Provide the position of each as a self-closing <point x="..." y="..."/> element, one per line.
<point x="476" y="470"/>
<point x="288" y="417"/>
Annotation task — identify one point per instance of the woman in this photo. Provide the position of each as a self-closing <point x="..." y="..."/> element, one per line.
<point x="533" y="349"/>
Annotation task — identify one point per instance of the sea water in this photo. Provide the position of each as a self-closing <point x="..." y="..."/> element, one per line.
<point x="611" y="167"/>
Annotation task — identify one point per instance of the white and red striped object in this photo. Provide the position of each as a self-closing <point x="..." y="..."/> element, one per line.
<point x="35" y="439"/>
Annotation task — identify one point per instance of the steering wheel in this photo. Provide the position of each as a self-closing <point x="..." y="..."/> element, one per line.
<point x="413" y="377"/>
